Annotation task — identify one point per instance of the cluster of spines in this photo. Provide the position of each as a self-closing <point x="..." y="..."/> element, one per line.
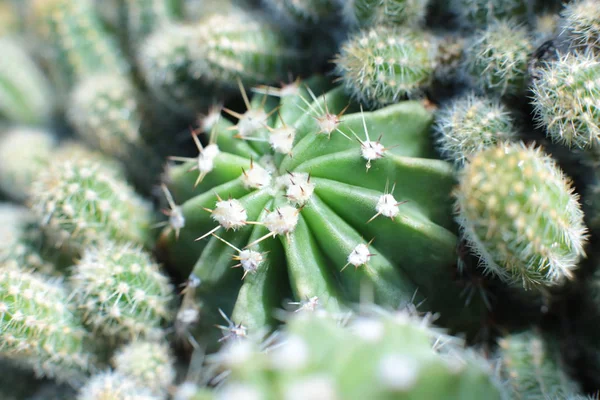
<point x="581" y="25"/>
<point x="370" y="13"/>
<point x="483" y="12"/>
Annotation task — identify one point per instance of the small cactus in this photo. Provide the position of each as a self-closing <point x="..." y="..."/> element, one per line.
<point x="520" y="215"/>
<point x="469" y="124"/>
<point x="581" y="24"/>
<point x="385" y="64"/>
<point x="81" y="202"/>
<point x="565" y="100"/>
<point x="371" y="13"/>
<point x="121" y="291"/>
<point x="481" y="13"/>
<point x="114" y="386"/>
<point x="497" y="58"/>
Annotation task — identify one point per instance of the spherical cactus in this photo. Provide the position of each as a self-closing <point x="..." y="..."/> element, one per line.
<point x="385" y="64"/>
<point x="80" y="203"/>
<point x="150" y="363"/>
<point x="496" y="60"/>
<point x="25" y="95"/>
<point x="469" y="124"/>
<point x="483" y="12"/>
<point x="114" y="386"/>
<point x="23" y="153"/>
<point x="121" y="291"/>
<point x="565" y="100"/>
<point x="379" y="356"/>
<point x="581" y="24"/>
<point x="303" y="12"/>
<point x="38" y="327"/>
<point x="530" y="363"/>
<point x="370" y="13"/>
<point x="296" y="202"/>
<point x="520" y="215"/>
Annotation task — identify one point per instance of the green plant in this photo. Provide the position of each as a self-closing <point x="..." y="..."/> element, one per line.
<point x="483" y="12"/>
<point x="581" y="23"/>
<point x="370" y="13"/>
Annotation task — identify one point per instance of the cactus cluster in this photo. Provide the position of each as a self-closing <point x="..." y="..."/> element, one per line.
<point x="292" y="199"/>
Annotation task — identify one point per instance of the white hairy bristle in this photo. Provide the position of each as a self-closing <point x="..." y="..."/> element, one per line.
<point x="211" y="151"/>
<point x="256" y="177"/>
<point x="176" y="218"/>
<point x="387" y="206"/>
<point x="282" y="220"/>
<point x="372" y="150"/>
<point x="251" y="121"/>
<point x="292" y="355"/>
<point x="398" y="372"/>
<point x="230" y="214"/>
<point x="250" y="260"/>
<point x="328" y="123"/>
<point x="299" y="188"/>
<point x="282" y="139"/>
<point x="316" y="387"/>
<point x="360" y="255"/>
<point x="369" y="329"/>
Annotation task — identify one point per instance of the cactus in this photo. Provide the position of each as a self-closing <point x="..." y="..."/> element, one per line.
<point x="146" y="16"/>
<point x="581" y="25"/>
<point x="304" y="12"/>
<point x="385" y="64"/>
<point x="112" y="385"/>
<point x="531" y="365"/>
<point x="82" y="202"/>
<point x="25" y="96"/>
<point x="481" y="13"/>
<point x="469" y="124"/>
<point x="38" y="327"/>
<point x="149" y="363"/>
<point x="565" y="100"/>
<point x="496" y="60"/>
<point x="23" y="153"/>
<point x="378" y="356"/>
<point x="370" y="13"/>
<point x="521" y="216"/>
<point x="313" y="208"/>
<point x="121" y="291"/>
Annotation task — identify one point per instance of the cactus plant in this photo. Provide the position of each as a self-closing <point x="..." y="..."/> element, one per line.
<point x="565" y="100"/>
<point x="112" y="385"/>
<point x="122" y="293"/>
<point x="481" y="13"/>
<point x="581" y="24"/>
<point x="305" y="12"/>
<point x="385" y="64"/>
<point x="521" y="216"/>
<point x="370" y="13"/>
<point x="39" y="328"/>
<point x="313" y="208"/>
<point x="377" y="356"/>
<point x="81" y="202"/>
<point x="496" y="59"/>
<point x="469" y="124"/>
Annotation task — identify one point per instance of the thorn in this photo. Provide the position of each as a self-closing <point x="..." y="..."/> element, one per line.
<point x="208" y="233"/>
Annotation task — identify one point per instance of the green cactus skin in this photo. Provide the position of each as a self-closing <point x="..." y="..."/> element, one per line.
<point x="121" y="291"/>
<point x="25" y="94"/>
<point x="381" y="356"/>
<point x="242" y="45"/>
<point x="23" y="153"/>
<point x="496" y="60"/>
<point x="483" y="12"/>
<point x="75" y="41"/>
<point x="81" y="203"/>
<point x="469" y="124"/>
<point x="581" y="24"/>
<point x="345" y="205"/>
<point x="385" y="64"/>
<point x="38" y="327"/>
<point x="371" y="13"/>
<point x="565" y="99"/>
<point x="531" y="365"/>
<point x="304" y="12"/>
<point x="146" y="16"/>
<point x="521" y="216"/>
<point x="150" y="363"/>
<point x="114" y="386"/>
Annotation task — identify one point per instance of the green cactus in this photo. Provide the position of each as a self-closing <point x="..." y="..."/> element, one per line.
<point x="81" y="202"/>
<point x="23" y="153"/>
<point x="121" y="292"/>
<point x="304" y="13"/>
<point x="581" y="24"/>
<point x="38" y="327"/>
<point x="565" y="99"/>
<point x="469" y="124"/>
<point x="114" y="386"/>
<point x="146" y="16"/>
<point x="150" y="363"/>
<point x="496" y="59"/>
<point x="521" y="216"/>
<point x="531" y="365"/>
<point x="25" y="94"/>
<point x="385" y="64"/>
<point x="379" y="356"/>
<point x="300" y="198"/>
<point x="370" y="13"/>
<point x="483" y="12"/>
